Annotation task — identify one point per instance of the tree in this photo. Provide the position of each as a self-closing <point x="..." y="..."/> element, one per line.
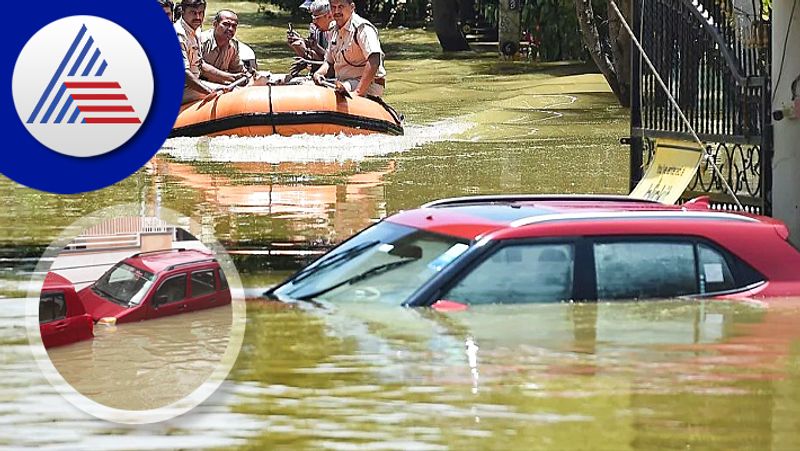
<point x="608" y="44"/>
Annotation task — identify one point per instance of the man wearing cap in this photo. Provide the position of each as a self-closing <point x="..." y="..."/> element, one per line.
<point x="320" y="33"/>
<point x="354" y="52"/>
<point x="186" y="28"/>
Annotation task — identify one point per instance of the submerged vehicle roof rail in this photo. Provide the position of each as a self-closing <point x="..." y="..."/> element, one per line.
<point x="511" y="198"/>
<point x="611" y="215"/>
<point x="193" y="262"/>
<point x="160" y="251"/>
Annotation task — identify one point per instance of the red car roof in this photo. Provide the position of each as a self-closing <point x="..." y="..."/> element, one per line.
<point x="158" y="261"/>
<point x="55" y="281"/>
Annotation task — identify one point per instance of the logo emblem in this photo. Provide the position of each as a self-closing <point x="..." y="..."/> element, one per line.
<point x="82" y="86"/>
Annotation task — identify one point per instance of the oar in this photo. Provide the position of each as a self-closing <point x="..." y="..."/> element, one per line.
<point x="308" y="61"/>
<point x="338" y="87"/>
<point x="227" y="88"/>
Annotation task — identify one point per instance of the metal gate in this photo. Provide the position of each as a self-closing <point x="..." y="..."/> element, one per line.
<point x="714" y="56"/>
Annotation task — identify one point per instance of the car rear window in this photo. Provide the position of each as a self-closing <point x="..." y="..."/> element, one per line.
<point x="637" y="268"/>
<point x="634" y="270"/>
<point x="203" y="283"/>
<point x="52" y="307"/>
<point x="223" y="281"/>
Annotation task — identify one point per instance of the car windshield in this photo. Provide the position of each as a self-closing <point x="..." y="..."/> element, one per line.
<point x="386" y="262"/>
<point x="124" y="285"/>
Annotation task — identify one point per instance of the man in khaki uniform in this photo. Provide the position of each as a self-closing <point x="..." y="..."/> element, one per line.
<point x="220" y="49"/>
<point x="354" y="52"/>
<point x="186" y="28"/>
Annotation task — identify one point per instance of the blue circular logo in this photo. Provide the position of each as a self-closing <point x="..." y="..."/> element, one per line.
<point x="92" y="96"/>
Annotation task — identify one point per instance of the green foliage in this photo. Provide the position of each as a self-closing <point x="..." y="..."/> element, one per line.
<point x="553" y="28"/>
<point x="550" y="25"/>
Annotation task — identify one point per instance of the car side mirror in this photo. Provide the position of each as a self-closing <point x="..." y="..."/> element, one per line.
<point x="160" y="300"/>
<point x="443" y="305"/>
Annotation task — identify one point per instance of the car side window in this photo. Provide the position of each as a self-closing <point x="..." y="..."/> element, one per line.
<point x="203" y="283"/>
<point x="223" y="281"/>
<point x="52" y="307"/>
<point x="174" y="289"/>
<point x="715" y="273"/>
<point x="519" y="273"/>
<point x="644" y="269"/>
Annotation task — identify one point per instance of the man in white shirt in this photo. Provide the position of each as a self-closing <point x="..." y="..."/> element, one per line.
<point x="354" y="52"/>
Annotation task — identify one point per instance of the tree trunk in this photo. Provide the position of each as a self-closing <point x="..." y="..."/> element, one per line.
<point x="621" y="49"/>
<point x="446" y="20"/>
<point x="591" y="39"/>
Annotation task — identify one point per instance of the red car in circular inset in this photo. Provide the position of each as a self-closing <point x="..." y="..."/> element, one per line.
<point x="62" y="318"/>
<point x="155" y="284"/>
<point x="520" y="249"/>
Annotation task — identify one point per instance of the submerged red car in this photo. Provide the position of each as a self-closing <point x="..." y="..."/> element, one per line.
<point x="520" y="249"/>
<point x="62" y="319"/>
<point x="154" y="284"/>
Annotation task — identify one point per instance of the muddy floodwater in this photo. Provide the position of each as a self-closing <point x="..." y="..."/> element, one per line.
<point x="146" y="365"/>
<point x="672" y="374"/>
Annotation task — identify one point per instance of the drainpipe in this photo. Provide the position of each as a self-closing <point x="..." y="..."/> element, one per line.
<point x="786" y="115"/>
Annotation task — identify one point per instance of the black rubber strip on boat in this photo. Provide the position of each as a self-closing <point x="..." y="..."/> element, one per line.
<point x="278" y="119"/>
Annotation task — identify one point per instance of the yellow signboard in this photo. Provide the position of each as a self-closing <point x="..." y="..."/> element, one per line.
<point x="673" y="168"/>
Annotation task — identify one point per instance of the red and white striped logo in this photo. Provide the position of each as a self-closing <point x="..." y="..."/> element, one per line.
<point x="91" y="100"/>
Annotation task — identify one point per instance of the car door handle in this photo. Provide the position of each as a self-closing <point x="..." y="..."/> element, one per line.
<point x="182" y="307"/>
<point x="61" y="326"/>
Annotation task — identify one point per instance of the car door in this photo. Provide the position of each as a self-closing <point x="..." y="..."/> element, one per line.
<point x="203" y="289"/>
<point x="53" y="324"/>
<point x="518" y="272"/>
<point x="169" y="297"/>
<point x="650" y="267"/>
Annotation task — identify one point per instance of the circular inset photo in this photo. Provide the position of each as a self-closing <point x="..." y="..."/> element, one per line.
<point x="136" y="315"/>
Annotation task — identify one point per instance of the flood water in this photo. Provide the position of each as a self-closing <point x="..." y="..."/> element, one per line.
<point x="671" y="374"/>
<point x="149" y="365"/>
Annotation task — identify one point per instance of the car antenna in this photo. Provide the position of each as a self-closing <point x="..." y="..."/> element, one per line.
<point x="706" y="155"/>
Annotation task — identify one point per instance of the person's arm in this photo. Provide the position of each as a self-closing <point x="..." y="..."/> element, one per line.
<point x="371" y="45"/>
<point x="194" y="83"/>
<point x="368" y="76"/>
<point x="215" y="75"/>
<point x="296" y="43"/>
<point x="319" y="75"/>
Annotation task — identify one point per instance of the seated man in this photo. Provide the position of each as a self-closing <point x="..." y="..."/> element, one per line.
<point x="186" y="28"/>
<point x="320" y="33"/>
<point x="354" y="53"/>
<point x="220" y="50"/>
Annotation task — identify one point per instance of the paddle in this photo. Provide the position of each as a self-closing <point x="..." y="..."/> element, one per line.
<point x="227" y="88"/>
<point x="338" y="87"/>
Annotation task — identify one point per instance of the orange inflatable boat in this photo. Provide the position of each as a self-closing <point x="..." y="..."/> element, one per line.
<point x="286" y="110"/>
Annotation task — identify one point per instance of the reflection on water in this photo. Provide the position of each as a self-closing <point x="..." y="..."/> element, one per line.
<point x="149" y="364"/>
<point x="611" y="376"/>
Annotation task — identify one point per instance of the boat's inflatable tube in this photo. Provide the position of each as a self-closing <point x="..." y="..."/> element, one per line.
<point x="285" y="110"/>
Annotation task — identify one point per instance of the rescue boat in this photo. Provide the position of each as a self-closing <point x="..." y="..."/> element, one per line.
<point x="286" y="110"/>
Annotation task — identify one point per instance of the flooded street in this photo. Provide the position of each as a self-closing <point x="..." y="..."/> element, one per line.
<point x="151" y="365"/>
<point x="651" y="375"/>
